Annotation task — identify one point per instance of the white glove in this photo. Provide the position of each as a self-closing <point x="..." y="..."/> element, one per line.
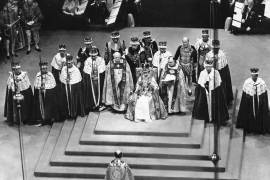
<point x="30" y="23"/>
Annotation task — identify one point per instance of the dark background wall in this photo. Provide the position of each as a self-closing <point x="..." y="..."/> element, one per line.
<point x="156" y="13"/>
<point x="167" y="13"/>
<point x="179" y="13"/>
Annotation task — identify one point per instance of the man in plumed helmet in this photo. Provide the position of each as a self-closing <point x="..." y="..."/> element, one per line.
<point x="58" y="62"/>
<point x="161" y="58"/>
<point x="113" y="46"/>
<point x="18" y="82"/>
<point x="187" y="56"/>
<point x="210" y="104"/>
<point x="150" y="45"/>
<point x="45" y="96"/>
<point x="93" y="80"/>
<point x="118" y="169"/>
<point x="223" y="67"/>
<point x="135" y="57"/>
<point x="203" y="45"/>
<point x="83" y="52"/>
<point x="71" y="102"/>
<point x="118" y="83"/>
<point x="253" y="115"/>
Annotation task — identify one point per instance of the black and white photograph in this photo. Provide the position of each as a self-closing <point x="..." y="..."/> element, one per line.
<point x="134" y="89"/>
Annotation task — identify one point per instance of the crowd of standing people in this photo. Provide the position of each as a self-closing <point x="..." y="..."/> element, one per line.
<point x="144" y="81"/>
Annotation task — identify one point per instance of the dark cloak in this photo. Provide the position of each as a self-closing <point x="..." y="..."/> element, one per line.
<point x="26" y="106"/>
<point x="49" y="105"/>
<point x="88" y="94"/>
<point x="226" y="83"/>
<point x="219" y="105"/>
<point x="246" y="119"/>
<point x="76" y="101"/>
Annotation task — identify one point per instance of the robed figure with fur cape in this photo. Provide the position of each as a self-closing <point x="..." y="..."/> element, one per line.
<point x="253" y="113"/>
<point x="210" y="104"/>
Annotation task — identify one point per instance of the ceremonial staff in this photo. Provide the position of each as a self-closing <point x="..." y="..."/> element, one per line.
<point x="17" y="99"/>
<point x="68" y="85"/>
<point x="17" y="115"/>
<point x="213" y="23"/>
<point x="42" y="90"/>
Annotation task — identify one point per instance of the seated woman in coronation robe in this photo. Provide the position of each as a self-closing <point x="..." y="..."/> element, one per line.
<point x="145" y="103"/>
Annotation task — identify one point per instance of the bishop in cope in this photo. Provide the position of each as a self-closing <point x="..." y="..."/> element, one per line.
<point x="118" y="83"/>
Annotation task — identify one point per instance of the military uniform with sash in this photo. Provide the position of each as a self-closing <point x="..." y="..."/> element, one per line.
<point x="187" y="57"/>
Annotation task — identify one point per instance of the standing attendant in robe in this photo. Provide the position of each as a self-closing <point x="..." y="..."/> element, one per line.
<point x="45" y="97"/>
<point x="93" y="80"/>
<point x="187" y="56"/>
<point x="118" y="83"/>
<point x="145" y="103"/>
<point x="173" y="87"/>
<point x="135" y="56"/>
<point x="115" y="45"/>
<point x="83" y="52"/>
<point x="161" y="58"/>
<point x="22" y="85"/>
<point x="71" y="102"/>
<point x="118" y="169"/>
<point x="253" y="115"/>
<point x="223" y="67"/>
<point x="210" y="104"/>
<point x="150" y="45"/>
<point x="203" y="46"/>
<point x="58" y="62"/>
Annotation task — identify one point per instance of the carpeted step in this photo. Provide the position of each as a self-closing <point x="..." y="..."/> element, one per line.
<point x="74" y="148"/>
<point x="115" y="124"/>
<point x="59" y="159"/>
<point x="48" y="147"/>
<point x="90" y="172"/>
<point x="89" y="138"/>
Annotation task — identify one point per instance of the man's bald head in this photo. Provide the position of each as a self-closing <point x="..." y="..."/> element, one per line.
<point x="185" y="41"/>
